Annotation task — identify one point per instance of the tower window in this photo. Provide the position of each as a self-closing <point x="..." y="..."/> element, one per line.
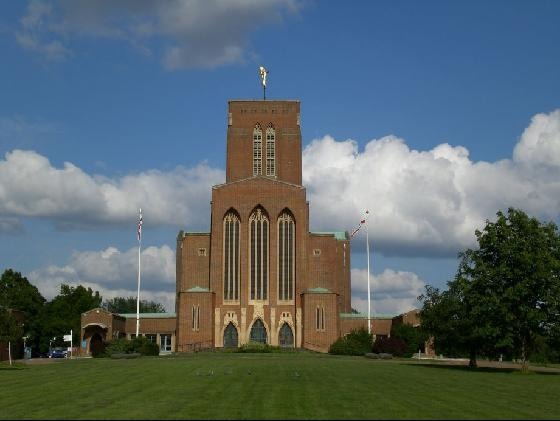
<point x="270" y="151"/>
<point x="257" y="150"/>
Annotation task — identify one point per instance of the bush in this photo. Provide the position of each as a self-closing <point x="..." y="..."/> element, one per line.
<point x="413" y="337"/>
<point x="257" y="347"/>
<point x="357" y="342"/>
<point x="122" y="346"/>
<point x="391" y="345"/>
<point x="143" y="346"/>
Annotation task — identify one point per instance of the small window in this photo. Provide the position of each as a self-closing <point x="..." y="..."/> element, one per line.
<point x="230" y="119"/>
<point x="202" y="252"/>
<point x="316" y="252"/>
<point x="165" y="342"/>
<point x="152" y="338"/>
<point x="196" y="318"/>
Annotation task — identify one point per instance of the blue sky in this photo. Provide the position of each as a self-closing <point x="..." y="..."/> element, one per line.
<point x="433" y="115"/>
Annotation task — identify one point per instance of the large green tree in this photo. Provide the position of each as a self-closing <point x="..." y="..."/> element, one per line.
<point x="11" y="330"/>
<point x="515" y="273"/>
<point x="16" y="292"/>
<point x="128" y="305"/>
<point x="506" y="293"/>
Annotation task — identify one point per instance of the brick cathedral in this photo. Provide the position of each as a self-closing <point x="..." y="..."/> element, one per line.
<point x="259" y="275"/>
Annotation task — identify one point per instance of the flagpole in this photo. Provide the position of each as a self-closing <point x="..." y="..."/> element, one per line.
<point x="138" y="295"/>
<point x="368" y="287"/>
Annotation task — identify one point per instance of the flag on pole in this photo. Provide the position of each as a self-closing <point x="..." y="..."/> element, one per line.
<point x="140" y="225"/>
<point x="362" y="222"/>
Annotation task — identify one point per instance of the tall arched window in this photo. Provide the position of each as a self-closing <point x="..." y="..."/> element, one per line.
<point x="286" y="254"/>
<point x="258" y="332"/>
<point x="286" y="336"/>
<point x="230" y="336"/>
<point x="231" y="256"/>
<point x="258" y="244"/>
<point x="257" y="150"/>
<point x="270" y="150"/>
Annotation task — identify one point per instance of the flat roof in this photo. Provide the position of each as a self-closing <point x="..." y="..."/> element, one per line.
<point x="365" y="316"/>
<point x="264" y="100"/>
<point x="339" y="235"/>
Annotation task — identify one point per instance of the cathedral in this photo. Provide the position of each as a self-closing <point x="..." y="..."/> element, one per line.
<point x="259" y="274"/>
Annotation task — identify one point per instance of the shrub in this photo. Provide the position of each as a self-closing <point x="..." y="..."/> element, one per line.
<point x="139" y="345"/>
<point x="413" y="337"/>
<point x="257" y="347"/>
<point x="391" y="345"/>
<point x="357" y="342"/>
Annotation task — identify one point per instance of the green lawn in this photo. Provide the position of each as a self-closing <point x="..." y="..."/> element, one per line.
<point x="271" y="386"/>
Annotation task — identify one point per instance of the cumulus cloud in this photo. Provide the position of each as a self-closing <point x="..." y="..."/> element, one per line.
<point x="428" y="203"/>
<point x="191" y="33"/>
<point x="114" y="274"/>
<point x="391" y="291"/>
<point x="30" y="186"/>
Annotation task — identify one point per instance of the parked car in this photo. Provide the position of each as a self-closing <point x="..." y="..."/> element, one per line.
<point x="58" y="353"/>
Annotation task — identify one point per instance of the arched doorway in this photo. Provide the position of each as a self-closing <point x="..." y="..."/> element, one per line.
<point x="96" y="345"/>
<point x="258" y="332"/>
<point x="286" y="336"/>
<point x="230" y="336"/>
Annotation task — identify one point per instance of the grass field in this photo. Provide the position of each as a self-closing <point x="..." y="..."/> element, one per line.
<point x="271" y="386"/>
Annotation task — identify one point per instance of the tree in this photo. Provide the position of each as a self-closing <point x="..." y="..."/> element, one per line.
<point x="123" y="305"/>
<point x="64" y="312"/>
<point x="506" y="293"/>
<point x="450" y="318"/>
<point x="16" y="292"/>
<point x="10" y="329"/>
<point x="515" y="274"/>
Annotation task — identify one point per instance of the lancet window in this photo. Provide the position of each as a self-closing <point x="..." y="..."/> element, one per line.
<point x="258" y="244"/>
<point x="257" y="150"/>
<point x="231" y="256"/>
<point x="286" y="254"/>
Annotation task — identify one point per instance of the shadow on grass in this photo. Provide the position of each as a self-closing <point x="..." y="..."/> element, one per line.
<point x="482" y="369"/>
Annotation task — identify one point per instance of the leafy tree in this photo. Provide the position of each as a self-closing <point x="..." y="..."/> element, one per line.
<point x="515" y="273"/>
<point x="128" y="305"/>
<point x="10" y="329"/>
<point x="459" y="328"/>
<point x="505" y="295"/>
<point x="16" y="292"/>
<point x="64" y="312"/>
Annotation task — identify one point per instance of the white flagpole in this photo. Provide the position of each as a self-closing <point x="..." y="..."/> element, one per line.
<point x="368" y="287"/>
<point x="138" y="295"/>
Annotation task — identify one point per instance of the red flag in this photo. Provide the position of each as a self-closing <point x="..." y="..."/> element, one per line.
<point x="362" y="222"/>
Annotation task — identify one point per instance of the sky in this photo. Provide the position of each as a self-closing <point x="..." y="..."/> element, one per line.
<point x="432" y="115"/>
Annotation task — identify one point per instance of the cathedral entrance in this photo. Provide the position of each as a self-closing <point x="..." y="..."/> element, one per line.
<point x="258" y="332"/>
<point x="230" y="336"/>
<point x="286" y="336"/>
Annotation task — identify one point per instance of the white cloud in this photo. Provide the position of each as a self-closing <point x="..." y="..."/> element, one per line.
<point x="193" y="33"/>
<point x="429" y="202"/>
<point x="391" y="291"/>
<point x="540" y="142"/>
<point x="114" y="274"/>
<point x="31" y="187"/>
